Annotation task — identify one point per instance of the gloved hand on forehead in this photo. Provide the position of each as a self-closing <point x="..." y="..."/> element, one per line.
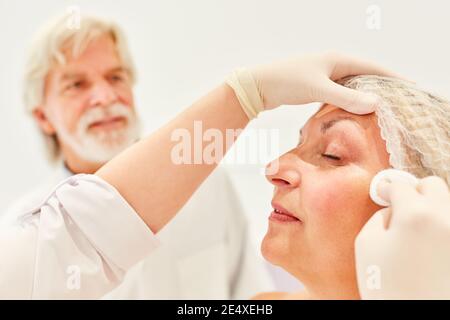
<point x="304" y="80"/>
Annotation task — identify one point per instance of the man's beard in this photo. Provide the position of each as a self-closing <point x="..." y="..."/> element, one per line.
<point x="103" y="145"/>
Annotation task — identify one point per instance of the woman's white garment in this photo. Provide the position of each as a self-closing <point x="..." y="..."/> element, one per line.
<point x="205" y="252"/>
<point x="78" y="244"/>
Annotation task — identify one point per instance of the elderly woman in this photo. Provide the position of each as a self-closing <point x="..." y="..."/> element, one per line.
<point x="321" y="196"/>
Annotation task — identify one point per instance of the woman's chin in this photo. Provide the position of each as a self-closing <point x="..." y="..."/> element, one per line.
<point x="273" y="250"/>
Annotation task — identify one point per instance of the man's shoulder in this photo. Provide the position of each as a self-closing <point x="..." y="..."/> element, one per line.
<point x="33" y="198"/>
<point x="28" y="201"/>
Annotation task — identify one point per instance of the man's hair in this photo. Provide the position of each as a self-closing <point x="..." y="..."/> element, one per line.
<point x="47" y="49"/>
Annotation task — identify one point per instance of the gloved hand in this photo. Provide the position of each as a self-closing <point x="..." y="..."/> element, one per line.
<point x="303" y="80"/>
<point x="403" y="251"/>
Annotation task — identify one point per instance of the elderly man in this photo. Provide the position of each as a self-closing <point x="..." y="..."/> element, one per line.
<point x="78" y="88"/>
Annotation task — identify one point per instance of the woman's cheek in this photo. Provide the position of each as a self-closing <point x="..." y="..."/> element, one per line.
<point x="336" y="195"/>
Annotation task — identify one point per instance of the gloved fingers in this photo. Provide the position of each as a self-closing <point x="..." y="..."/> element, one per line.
<point x="386" y="213"/>
<point x="418" y="210"/>
<point x="383" y="190"/>
<point x="351" y="66"/>
<point x="378" y="222"/>
<point x="348" y="99"/>
<point x="403" y="198"/>
<point x="433" y="186"/>
<point x="371" y="232"/>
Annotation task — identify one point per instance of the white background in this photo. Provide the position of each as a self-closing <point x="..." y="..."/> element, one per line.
<point x="184" y="48"/>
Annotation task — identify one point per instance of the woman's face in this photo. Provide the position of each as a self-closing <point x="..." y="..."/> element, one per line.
<point x="324" y="183"/>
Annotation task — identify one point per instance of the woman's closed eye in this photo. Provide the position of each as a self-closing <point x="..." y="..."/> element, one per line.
<point x="335" y="152"/>
<point x="333" y="156"/>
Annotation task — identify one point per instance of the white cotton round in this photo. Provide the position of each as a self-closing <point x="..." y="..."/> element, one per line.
<point x="389" y="176"/>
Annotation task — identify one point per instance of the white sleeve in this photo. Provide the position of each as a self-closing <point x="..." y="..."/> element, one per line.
<point x="77" y="245"/>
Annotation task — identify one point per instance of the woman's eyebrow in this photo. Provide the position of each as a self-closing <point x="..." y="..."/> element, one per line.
<point x="330" y="123"/>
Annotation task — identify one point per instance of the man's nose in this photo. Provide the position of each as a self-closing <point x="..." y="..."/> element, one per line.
<point x="284" y="172"/>
<point x="103" y="94"/>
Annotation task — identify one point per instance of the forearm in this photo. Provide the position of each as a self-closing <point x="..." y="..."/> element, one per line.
<point x="147" y="176"/>
<point x="157" y="188"/>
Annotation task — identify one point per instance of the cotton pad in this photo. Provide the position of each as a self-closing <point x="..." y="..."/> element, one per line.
<point x="389" y="175"/>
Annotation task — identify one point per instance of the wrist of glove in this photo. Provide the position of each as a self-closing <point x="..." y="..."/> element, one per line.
<point x="247" y="92"/>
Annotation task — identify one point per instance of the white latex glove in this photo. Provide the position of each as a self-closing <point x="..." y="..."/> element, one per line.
<point x="304" y="80"/>
<point x="403" y="252"/>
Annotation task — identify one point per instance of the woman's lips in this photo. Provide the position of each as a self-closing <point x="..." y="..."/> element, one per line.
<point x="280" y="214"/>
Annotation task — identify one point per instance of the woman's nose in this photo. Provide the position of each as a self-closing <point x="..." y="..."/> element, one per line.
<point x="284" y="172"/>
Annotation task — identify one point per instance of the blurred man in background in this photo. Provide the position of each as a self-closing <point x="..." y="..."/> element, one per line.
<point x="78" y="88"/>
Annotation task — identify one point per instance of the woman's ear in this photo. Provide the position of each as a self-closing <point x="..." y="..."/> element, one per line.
<point x="43" y="121"/>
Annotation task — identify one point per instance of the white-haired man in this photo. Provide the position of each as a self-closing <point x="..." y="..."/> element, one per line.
<point x="78" y="88"/>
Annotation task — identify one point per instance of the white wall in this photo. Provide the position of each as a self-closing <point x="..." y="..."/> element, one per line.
<point x="184" y="48"/>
